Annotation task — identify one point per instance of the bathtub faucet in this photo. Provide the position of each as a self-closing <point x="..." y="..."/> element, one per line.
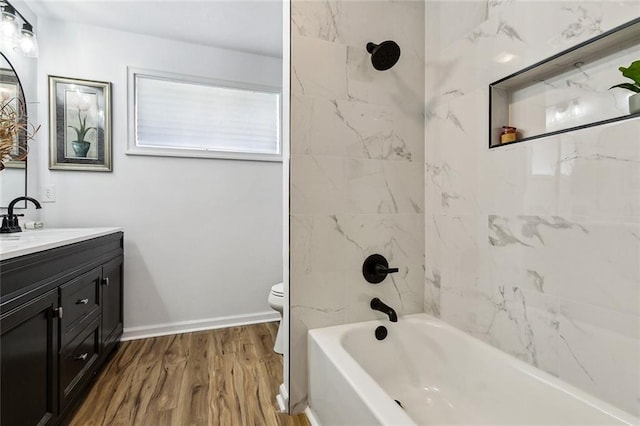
<point x="378" y="305"/>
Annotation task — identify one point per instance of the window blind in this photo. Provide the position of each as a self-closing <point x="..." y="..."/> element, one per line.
<point x="196" y="116"/>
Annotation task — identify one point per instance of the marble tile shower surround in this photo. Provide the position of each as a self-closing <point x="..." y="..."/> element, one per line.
<point x="357" y="166"/>
<point x="534" y="247"/>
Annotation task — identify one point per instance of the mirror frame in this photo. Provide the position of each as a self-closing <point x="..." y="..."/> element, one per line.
<point x="22" y="139"/>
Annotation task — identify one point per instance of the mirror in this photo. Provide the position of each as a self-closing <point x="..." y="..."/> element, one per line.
<point x="13" y="179"/>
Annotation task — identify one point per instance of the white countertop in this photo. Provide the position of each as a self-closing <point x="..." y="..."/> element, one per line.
<point x="33" y="241"/>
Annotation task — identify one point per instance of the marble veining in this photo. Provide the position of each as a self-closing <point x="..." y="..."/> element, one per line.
<point x="531" y="225"/>
<point x="501" y="234"/>
<point x="454" y="120"/>
<point x="341" y="231"/>
<point x="521" y="321"/>
<point x="537" y="280"/>
<point x="576" y="359"/>
<point x="509" y="31"/>
<point x="583" y="24"/>
<point x="325" y="26"/>
<point x="534" y="248"/>
<point x="530" y="228"/>
<point x="357" y="170"/>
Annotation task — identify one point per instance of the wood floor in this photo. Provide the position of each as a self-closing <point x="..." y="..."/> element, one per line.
<point x="225" y="377"/>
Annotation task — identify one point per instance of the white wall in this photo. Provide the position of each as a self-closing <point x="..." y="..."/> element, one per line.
<point x="533" y="247"/>
<point x="203" y="238"/>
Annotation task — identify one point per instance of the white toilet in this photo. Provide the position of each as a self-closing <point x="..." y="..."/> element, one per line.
<point x="276" y="300"/>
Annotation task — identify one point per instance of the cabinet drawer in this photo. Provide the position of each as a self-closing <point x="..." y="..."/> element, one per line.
<point x="80" y="299"/>
<point x="77" y="359"/>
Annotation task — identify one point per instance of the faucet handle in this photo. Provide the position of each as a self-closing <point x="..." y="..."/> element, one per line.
<point x="11" y="216"/>
<point x="6" y="228"/>
<point x="10" y="223"/>
<point x="14" y="224"/>
<point x="376" y="268"/>
<point x="380" y="269"/>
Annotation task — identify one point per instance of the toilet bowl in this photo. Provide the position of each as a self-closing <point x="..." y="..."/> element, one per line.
<point x="276" y="300"/>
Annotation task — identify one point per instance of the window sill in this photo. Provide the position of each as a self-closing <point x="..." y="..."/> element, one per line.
<point x="216" y="155"/>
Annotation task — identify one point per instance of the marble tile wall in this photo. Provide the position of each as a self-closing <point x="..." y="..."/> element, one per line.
<point x="534" y="247"/>
<point x="357" y="167"/>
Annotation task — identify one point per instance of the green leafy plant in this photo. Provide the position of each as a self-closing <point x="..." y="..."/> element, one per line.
<point x="632" y="72"/>
<point x="82" y="131"/>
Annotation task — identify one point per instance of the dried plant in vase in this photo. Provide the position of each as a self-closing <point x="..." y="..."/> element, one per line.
<point x="15" y="131"/>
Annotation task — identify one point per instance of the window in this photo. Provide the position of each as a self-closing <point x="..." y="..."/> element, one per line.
<point x="174" y="115"/>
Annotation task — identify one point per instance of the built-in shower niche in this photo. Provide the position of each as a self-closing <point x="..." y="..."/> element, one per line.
<point x="567" y="91"/>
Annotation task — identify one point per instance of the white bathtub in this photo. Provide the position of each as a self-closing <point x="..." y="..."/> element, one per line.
<point x="440" y="375"/>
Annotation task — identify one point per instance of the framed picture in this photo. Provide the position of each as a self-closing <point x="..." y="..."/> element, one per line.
<point x="13" y="104"/>
<point x="79" y="124"/>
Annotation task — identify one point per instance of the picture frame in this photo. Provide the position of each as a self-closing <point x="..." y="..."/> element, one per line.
<point x="11" y="93"/>
<point x="79" y="124"/>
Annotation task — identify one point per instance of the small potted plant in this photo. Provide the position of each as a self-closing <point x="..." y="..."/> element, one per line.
<point x="632" y="72"/>
<point x="80" y="146"/>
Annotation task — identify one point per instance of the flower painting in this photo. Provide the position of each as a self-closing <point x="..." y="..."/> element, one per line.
<point x="80" y="124"/>
<point x="81" y="134"/>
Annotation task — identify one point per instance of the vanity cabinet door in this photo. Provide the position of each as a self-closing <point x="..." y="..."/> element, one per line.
<point x="112" y="319"/>
<point x="28" y="362"/>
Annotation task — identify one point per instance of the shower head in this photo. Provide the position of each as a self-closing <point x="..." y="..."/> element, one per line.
<point x="384" y="55"/>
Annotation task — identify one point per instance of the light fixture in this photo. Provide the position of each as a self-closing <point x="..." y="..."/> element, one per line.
<point x="12" y="37"/>
<point x="9" y="31"/>
<point x="28" y="41"/>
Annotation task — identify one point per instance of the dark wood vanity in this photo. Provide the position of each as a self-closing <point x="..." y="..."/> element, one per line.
<point x="60" y="319"/>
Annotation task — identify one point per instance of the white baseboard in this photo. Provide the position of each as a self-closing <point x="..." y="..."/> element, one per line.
<point x="134" y="333"/>
<point x="311" y="416"/>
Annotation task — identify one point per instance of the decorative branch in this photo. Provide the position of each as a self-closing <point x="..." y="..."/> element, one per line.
<point x="15" y="131"/>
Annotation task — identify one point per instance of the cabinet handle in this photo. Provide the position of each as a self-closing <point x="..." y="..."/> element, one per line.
<point x="58" y="312"/>
<point x="82" y="302"/>
<point x="82" y="357"/>
<point x="105" y="281"/>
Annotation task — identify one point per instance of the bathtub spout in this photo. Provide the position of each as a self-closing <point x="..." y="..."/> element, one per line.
<point x="378" y="305"/>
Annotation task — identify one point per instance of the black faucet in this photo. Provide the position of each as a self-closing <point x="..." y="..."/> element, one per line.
<point x="378" y="305"/>
<point x="10" y="221"/>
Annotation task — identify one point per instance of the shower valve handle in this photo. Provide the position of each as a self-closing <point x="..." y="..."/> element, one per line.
<point x="376" y="268"/>
<point x="382" y="270"/>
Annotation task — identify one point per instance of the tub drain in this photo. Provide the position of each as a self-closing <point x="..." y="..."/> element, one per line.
<point x="381" y="332"/>
<point x="399" y="403"/>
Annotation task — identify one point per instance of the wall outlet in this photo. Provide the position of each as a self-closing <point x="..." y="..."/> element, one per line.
<point x="48" y="194"/>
